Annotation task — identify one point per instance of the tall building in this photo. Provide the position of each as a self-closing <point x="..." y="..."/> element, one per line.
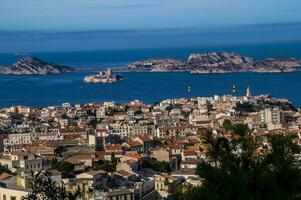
<point x="100" y="142"/>
<point x="272" y="118"/>
<point x="97" y="140"/>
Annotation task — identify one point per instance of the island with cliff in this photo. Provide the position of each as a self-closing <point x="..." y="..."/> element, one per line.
<point x="34" y="66"/>
<point x="201" y="63"/>
<point x="216" y="62"/>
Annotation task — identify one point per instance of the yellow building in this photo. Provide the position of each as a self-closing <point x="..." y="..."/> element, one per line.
<point x="13" y="188"/>
<point x="165" y="185"/>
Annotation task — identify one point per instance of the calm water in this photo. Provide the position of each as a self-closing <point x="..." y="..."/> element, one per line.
<point x="121" y="57"/>
<point x="148" y="87"/>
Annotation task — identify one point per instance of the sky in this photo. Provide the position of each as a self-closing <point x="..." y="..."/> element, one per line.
<point x="125" y="19"/>
<point x="143" y="14"/>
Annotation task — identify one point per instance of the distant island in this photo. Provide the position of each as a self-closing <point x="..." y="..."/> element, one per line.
<point x="104" y="77"/>
<point x="216" y="62"/>
<point x="34" y="66"/>
<point x="205" y="63"/>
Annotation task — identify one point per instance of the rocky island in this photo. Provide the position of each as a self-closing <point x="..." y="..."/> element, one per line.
<point x="34" y="66"/>
<point x="104" y="77"/>
<point x="159" y="65"/>
<point x="216" y="62"/>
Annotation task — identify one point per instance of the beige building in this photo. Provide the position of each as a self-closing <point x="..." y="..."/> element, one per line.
<point x="17" y="139"/>
<point x="142" y="129"/>
<point x="272" y="118"/>
<point x="174" y="131"/>
<point x="120" y="129"/>
<point x="94" y="179"/>
<point x="198" y="117"/>
<point x="22" y="161"/>
<point x="119" y="194"/>
<point x="165" y="185"/>
<point x="14" y="188"/>
<point x="100" y="112"/>
<point x="160" y="154"/>
<point x="225" y="105"/>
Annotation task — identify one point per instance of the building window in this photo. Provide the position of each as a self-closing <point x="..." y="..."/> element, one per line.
<point x="4" y="197"/>
<point x="13" y="198"/>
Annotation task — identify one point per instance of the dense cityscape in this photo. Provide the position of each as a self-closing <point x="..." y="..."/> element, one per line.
<point x="130" y="151"/>
<point x="150" y="100"/>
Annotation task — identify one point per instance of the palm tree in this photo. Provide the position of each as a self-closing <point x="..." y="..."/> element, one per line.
<point x="44" y="188"/>
<point x="239" y="167"/>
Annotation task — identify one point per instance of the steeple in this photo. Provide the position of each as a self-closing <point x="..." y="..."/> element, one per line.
<point x="248" y="92"/>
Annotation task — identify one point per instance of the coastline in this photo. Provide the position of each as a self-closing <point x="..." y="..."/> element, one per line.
<point x="126" y="70"/>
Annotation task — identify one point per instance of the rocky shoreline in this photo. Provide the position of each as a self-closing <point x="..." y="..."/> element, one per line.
<point x="216" y="62"/>
<point x="205" y="63"/>
<point x="34" y="66"/>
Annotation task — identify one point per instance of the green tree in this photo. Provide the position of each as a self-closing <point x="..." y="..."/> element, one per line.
<point x="44" y="188"/>
<point x="185" y="192"/>
<point x="59" y="150"/>
<point x="113" y="158"/>
<point x="93" y="123"/>
<point x="107" y="165"/>
<point x="227" y="125"/>
<point x="245" y="107"/>
<point x="239" y="167"/>
<point x="63" y="166"/>
<point x="159" y="166"/>
<point x="4" y="169"/>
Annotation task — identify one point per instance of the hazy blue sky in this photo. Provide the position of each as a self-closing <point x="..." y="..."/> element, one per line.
<point x="70" y="25"/>
<point x="143" y="14"/>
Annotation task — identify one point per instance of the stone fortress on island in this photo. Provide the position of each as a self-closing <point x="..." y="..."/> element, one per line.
<point x="104" y="77"/>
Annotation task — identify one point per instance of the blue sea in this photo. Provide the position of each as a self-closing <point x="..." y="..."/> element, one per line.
<point x="147" y="87"/>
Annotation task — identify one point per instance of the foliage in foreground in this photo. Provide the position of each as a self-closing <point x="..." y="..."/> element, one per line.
<point x="44" y="188"/>
<point x="241" y="168"/>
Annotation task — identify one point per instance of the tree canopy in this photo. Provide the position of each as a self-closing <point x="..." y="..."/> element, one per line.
<point x="107" y="165"/>
<point x="44" y="188"/>
<point x="4" y="169"/>
<point x="62" y="166"/>
<point x="240" y="167"/>
<point x="159" y="166"/>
